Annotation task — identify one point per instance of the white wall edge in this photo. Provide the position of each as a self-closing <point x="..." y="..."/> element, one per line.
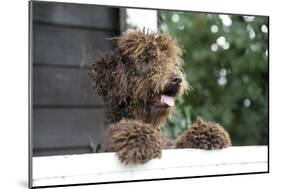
<point x="105" y="167"/>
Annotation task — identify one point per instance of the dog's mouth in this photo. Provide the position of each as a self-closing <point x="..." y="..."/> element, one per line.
<point x="167" y="98"/>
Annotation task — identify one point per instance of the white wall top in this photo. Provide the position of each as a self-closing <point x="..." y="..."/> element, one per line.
<point x="105" y="167"/>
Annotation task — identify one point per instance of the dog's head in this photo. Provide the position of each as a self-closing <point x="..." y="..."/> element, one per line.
<point x="143" y="75"/>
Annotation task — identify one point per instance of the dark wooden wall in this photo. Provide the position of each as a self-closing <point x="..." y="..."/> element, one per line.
<point x="67" y="114"/>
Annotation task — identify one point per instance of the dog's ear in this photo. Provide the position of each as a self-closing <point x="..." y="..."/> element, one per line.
<point x="109" y="77"/>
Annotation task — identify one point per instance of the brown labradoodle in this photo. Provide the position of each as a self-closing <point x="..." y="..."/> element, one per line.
<point x="139" y="82"/>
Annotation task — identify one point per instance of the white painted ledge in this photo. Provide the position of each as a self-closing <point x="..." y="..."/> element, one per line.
<point x="105" y="167"/>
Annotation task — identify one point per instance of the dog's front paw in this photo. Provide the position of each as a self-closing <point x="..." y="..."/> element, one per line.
<point x="204" y="135"/>
<point x="134" y="142"/>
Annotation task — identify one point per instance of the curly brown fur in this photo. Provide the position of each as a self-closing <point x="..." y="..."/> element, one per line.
<point x="204" y="136"/>
<point x="134" y="141"/>
<point x="144" y="46"/>
<point x="133" y="80"/>
<point x="135" y="74"/>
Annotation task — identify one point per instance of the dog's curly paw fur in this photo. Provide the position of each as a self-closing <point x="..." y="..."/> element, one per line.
<point x="204" y="135"/>
<point x="133" y="141"/>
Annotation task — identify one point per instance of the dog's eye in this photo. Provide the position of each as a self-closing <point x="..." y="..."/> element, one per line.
<point x="145" y="67"/>
<point x="133" y="73"/>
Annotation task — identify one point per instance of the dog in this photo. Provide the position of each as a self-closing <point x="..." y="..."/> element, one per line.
<point x="139" y="83"/>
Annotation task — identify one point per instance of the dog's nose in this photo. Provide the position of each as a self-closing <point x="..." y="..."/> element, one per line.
<point x="176" y="80"/>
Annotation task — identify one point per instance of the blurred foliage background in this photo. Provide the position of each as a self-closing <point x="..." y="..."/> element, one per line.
<point x="226" y="63"/>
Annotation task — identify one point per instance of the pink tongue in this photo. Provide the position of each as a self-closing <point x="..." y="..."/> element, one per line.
<point x="168" y="100"/>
